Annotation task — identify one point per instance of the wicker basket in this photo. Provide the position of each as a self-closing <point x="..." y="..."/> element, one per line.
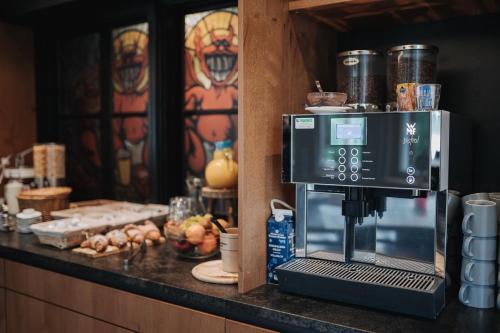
<point x="45" y="200"/>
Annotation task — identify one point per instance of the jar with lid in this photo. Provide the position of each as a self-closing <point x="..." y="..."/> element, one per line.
<point x="55" y="164"/>
<point x="361" y="74"/>
<point x="412" y="63"/>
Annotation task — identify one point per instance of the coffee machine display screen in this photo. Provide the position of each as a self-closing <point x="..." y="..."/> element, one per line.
<point x="348" y="131"/>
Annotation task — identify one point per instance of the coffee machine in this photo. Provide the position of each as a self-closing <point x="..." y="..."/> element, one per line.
<point x="371" y="205"/>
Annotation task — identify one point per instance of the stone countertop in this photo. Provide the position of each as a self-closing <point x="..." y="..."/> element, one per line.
<point x="163" y="276"/>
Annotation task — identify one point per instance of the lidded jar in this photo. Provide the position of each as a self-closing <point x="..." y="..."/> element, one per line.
<point x="412" y="63"/>
<point x="361" y="74"/>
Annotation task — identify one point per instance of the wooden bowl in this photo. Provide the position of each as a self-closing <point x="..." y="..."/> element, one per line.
<point x="326" y="99"/>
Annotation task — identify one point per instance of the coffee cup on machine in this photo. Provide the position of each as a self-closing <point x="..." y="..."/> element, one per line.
<point x="480" y="218"/>
<point x="482" y="297"/>
<point x="480" y="248"/>
<point x="478" y="272"/>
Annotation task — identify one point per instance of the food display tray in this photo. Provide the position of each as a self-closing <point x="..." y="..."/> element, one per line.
<point x="71" y="225"/>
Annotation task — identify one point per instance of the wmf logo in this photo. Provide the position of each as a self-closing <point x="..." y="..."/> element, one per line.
<point x="411" y="130"/>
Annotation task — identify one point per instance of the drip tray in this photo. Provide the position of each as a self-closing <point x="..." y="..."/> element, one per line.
<point x="364" y="284"/>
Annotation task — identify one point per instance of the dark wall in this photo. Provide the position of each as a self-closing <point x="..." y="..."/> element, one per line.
<point x="469" y="72"/>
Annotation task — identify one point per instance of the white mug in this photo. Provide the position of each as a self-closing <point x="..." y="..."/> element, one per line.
<point x="478" y="272"/>
<point x="480" y="248"/>
<point x="477" y="296"/>
<point x="480" y="219"/>
<point x="229" y="250"/>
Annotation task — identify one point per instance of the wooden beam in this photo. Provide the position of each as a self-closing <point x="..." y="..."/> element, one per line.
<point x="323" y="4"/>
<point x="262" y="99"/>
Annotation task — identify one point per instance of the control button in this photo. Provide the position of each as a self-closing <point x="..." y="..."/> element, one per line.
<point x="342" y="151"/>
<point x="354" y="168"/>
<point x="354" y="160"/>
<point x="354" y="151"/>
<point x="341" y="168"/>
<point x="341" y="177"/>
<point x="342" y="160"/>
<point x="354" y="177"/>
<point x="410" y="171"/>
<point x="410" y="179"/>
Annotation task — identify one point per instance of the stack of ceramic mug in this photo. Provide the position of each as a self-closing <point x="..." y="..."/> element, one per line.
<point x="495" y="197"/>
<point x="479" y="251"/>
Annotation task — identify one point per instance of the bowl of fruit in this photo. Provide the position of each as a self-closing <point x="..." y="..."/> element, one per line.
<point x="195" y="237"/>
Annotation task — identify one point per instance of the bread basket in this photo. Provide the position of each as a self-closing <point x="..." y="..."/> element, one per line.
<point x="45" y="200"/>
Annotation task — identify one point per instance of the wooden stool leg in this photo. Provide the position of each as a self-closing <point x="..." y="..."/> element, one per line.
<point x="230" y="212"/>
<point x="210" y="207"/>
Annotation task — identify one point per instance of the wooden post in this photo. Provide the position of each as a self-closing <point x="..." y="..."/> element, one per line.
<point x="262" y="99"/>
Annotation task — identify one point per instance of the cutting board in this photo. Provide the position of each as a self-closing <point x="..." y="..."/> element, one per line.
<point x="110" y="250"/>
<point x="211" y="271"/>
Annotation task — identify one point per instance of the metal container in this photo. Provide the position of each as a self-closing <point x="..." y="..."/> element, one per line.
<point x="360" y="74"/>
<point x="412" y="63"/>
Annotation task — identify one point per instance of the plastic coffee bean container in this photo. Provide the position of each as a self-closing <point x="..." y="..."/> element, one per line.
<point x="361" y="74"/>
<point x="412" y="63"/>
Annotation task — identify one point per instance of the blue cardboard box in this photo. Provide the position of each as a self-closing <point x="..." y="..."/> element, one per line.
<point x="280" y="241"/>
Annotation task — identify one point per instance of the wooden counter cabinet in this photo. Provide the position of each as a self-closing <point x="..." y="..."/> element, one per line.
<point x="43" y="301"/>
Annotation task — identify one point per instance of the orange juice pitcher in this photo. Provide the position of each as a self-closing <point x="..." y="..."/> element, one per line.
<point x="222" y="171"/>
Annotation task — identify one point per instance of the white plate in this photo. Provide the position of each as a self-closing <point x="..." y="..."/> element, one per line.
<point x="328" y="109"/>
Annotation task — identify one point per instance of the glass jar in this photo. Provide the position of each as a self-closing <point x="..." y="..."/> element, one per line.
<point x="55" y="164"/>
<point x="360" y="74"/>
<point x="414" y="63"/>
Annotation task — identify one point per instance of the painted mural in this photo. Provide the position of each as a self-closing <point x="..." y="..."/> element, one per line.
<point x="211" y="84"/>
<point x="130" y="68"/>
<point x="83" y="157"/>
<point x="130" y="77"/>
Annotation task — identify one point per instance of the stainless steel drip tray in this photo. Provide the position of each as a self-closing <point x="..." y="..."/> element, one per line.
<point x="364" y="284"/>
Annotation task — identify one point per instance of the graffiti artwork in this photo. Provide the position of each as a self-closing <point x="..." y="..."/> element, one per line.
<point x="211" y="84"/>
<point x="130" y="141"/>
<point x="83" y="157"/>
<point x="130" y="134"/>
<point x="130" y="68"/>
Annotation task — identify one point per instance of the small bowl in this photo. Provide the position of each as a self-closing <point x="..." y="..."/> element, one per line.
<point x="326" y="99"/>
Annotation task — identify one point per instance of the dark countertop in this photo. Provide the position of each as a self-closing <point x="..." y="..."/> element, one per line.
<point x="162" y="276"/>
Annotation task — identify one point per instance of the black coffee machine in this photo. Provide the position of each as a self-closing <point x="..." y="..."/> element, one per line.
<point x="371" y="197"/>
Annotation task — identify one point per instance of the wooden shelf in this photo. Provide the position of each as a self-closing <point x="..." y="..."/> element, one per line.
<point x="346" y="15"/>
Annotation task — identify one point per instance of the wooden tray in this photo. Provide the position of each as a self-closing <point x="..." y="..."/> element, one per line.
<point x="211" y="271"/>
<point x="110" y="250"/>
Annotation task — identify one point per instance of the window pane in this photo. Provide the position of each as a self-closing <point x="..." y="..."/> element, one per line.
<point x="83" y="158"/>
<point x="130" y="140"/>
<point x="211" y="60"/>
<point x="130" y="68"/>
<point x="201" y="132"/>
<point x="80" y="90"/>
